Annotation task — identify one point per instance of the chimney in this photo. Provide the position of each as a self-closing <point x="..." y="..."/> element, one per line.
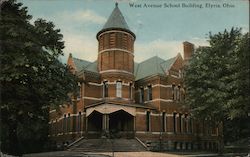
<point x="188" y="49"/>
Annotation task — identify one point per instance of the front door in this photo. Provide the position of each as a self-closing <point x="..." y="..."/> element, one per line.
<point x="121" y="124"/>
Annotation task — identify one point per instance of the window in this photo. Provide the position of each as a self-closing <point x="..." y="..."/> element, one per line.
<point x="178" y="93"/>
<point x="174" y="121"/>
<point x="80" y="122"/>
<point x="64" y="123"/>
<point x="149" y="92"/>
<point x="105" y="89"/>
<point x="141" y="95"/>
<point x="173" y="94"/>
<point x="180" y="122"/>
<point x="163" y="121"/>
<point x="180" y="74"/>
<point x="190" y="125"/>
<point x="186" y="124"/>
<point x="130" y="91"/>
<point x="79" y="93"/>
<point x="68" y="125"/>
<point x="56" y="129"/>
<point x="119" y="89"/>
<point x="148" y="121"/>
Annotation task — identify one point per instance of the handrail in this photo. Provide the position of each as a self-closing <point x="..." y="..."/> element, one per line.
<point x="143" y="144"/>
<point x="76" y="141"/>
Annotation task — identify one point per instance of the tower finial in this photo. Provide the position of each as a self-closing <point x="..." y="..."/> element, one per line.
<point x="116" y="4"/>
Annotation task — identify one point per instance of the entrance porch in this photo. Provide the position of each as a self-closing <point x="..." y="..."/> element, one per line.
<point x="110" y="121"/>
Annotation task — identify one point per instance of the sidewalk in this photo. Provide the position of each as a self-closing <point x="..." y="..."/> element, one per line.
<point x="102" y="154"/>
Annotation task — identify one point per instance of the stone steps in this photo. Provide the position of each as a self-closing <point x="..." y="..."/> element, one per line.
<point x="107" y="145"/>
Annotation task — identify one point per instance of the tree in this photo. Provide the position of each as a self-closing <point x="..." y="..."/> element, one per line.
<point x="32" y="78"/>
<point x="217" y="81"/>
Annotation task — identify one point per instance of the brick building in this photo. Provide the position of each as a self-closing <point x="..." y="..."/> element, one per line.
<point x="120" y="98"/>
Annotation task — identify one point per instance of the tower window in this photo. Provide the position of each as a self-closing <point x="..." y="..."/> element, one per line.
<point x="105" y="89"/>
<point x="119" y="89"/>
<point x="149" y="92"/>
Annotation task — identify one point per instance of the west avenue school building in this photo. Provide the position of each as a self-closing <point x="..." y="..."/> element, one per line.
<point x="123" y="99"/>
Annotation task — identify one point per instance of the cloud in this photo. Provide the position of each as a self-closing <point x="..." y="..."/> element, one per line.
<point x="88" y="16"/>
<point x="245" y="29"/>
<point x="159" y="47"/>
<point x="79" y="37"/>
<point x="199" y="41"/>
<point x="163" y="48"/>
<point x="81" y="46"/>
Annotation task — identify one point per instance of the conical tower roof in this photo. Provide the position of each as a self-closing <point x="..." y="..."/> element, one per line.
<point x="116" y="21"/>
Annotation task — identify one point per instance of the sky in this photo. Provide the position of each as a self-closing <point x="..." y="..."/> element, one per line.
<point x="160" y="28"/>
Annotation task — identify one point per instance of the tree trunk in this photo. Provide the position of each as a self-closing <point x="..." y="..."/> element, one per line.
<point x="14" y="148"/>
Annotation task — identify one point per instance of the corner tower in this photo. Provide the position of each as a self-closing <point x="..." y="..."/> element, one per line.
<point x="116" y="50"/>
<point x="116" y="45"/>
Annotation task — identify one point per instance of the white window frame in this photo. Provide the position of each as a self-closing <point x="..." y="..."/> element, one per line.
<point x="118" y="89"/>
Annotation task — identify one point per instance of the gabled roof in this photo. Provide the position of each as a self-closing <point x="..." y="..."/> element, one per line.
<point x="150" y="67"/>
<point x="92" y="67"/>
<point x="80" y="64"/>
<point x="168" y="63"/>
<point x="153" y="66"/>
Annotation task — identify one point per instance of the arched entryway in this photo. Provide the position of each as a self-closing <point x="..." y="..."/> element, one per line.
<point x="121" y="124"/>
<point x="95" y="124"/>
